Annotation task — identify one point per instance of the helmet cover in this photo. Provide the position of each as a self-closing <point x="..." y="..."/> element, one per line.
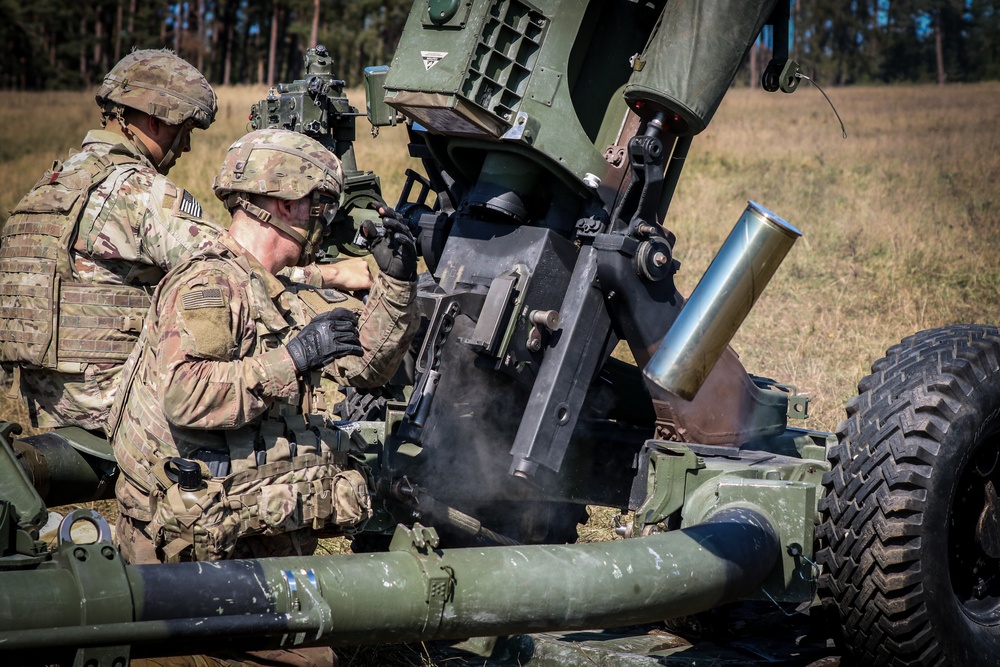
<point x="284" y="165"/>
<point x="162" y="84"/>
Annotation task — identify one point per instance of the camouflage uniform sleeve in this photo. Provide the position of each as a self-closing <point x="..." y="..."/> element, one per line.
<point x="307" y="275"/>
<point x="140" y="216"/>
<point x="173" y="226"/>
<point x="206" y="353"/>
<point x="387" y="325"/>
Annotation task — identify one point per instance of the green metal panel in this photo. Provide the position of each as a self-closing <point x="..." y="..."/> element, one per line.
<point x="506" y="75"/>
<point x="789" y="505"/>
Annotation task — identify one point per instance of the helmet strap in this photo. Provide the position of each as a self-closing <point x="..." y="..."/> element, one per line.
<point x="174" y="149"/>
<point x="238" y="200"/>
<point x="141" y="147"/>
<point x="129" y="134"/>
<point x="167" y="158"/>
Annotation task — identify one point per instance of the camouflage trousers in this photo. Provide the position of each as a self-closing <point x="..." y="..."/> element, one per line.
<point x="137" y="548"/>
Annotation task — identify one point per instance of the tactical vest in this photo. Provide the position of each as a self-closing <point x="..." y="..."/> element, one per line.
<point x="48" y="318"/>
<point x="288" y="472"/>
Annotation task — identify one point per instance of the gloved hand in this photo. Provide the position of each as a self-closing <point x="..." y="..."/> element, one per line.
<point x="329" y="336"/>
<point x="395" y="252"/>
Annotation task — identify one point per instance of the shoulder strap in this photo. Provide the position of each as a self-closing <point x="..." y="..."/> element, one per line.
<point x="112" y="164"/>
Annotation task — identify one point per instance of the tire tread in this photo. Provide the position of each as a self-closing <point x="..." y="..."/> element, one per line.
<point x="882" y="466"/>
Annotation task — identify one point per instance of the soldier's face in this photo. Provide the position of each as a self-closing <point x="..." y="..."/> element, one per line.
<point x="287" y="248"/>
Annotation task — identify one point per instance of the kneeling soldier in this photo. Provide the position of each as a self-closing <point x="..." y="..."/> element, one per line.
<point x="215" y="427"/>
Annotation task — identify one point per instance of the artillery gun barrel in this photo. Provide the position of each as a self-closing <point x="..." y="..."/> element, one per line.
<point x="415" y="593"/>
<point x="723" y="298"/>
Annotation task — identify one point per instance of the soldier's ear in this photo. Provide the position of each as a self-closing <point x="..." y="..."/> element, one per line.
<point x="156" y="127"/>
<point x="285" y="208"/>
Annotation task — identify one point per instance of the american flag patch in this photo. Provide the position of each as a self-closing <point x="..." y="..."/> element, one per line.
<point x="210" y="297"/>
<point x="190" y="205"/>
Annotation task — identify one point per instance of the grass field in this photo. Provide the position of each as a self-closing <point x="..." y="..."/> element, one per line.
<point x="900" y="219"/>
<point x="900" y="222"/>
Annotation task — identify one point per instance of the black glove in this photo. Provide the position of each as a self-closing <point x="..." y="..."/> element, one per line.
<point x="329" y="336"/>
<point x="394" y="250"/>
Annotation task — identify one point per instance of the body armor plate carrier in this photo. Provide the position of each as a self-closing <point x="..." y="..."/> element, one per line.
<point x="48" y="316"/>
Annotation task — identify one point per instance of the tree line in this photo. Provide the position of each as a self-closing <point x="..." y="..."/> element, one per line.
<point x="53" y="44"/>
<point x="889" y="41"/>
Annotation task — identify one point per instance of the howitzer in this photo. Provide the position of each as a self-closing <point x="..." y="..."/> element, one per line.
<point x="552" y="134"/>
<point x="553" y="149"/>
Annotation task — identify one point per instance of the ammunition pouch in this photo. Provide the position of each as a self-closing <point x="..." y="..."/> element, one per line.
<point x="317" y="487"/>
<point x="48" y="319"/>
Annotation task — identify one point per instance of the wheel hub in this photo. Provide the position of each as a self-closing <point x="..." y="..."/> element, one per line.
<point x="974" y="544"/>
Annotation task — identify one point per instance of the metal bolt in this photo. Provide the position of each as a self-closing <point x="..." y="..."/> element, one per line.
<point x="548" y="319"/>
<point x="659" y="259"/>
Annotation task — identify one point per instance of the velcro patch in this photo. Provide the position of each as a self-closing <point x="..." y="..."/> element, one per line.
<point x="210" y="297"/>
<point x="205" y="319"/>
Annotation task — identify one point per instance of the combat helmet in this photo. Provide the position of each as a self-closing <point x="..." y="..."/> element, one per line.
<point x="284" y="165"/>
<point x="160" y="83"/>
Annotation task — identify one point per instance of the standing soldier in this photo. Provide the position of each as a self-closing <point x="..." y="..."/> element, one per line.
<point x="216" y="428"/>
<point x="85" y="247"/>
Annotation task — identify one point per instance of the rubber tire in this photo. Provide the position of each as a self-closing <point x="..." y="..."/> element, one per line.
<point x="897" y="536"/>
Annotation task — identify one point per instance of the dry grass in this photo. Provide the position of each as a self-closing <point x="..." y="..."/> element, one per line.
<point x="899" y="221"/>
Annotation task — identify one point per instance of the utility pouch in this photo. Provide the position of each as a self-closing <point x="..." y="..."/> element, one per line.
<point x="191" y="525"/>
<point x="297" y="480"/>
<point x="279" y="508"/>
<point x="352" y="500"/>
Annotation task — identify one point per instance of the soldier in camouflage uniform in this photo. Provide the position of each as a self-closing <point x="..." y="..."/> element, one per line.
<point x="85" y="246"/>
<point x="83" y="250"/>
<point x="228" y="372"/>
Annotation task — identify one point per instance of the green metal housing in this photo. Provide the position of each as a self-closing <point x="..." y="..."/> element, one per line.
<point x="540" y="79"/>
